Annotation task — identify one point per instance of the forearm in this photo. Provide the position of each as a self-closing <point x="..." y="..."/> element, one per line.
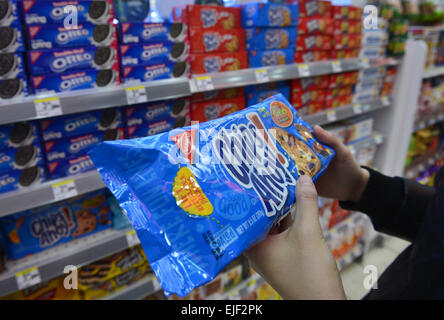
<point x="396" y="206"/>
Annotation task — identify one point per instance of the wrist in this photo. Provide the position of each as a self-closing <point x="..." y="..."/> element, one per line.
<point x="359" y="186"/>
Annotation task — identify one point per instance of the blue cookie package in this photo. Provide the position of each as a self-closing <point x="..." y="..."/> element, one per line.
<point x="201" y="195"/>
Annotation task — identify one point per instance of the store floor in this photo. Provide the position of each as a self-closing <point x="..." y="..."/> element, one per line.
<point x="353" y="275"/>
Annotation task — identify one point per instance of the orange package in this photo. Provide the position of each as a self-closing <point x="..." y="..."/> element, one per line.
<point x="310" y="83"/>
<point x="347" y="27"/>
<point x="218" y="62"/>
<point x="343" y="79"/>
<point x="315" y="9"/>
<point x="347" y="12"/>
<point x="315" y="26"/>
<point x="313" y="42"/>
<point x="299" y="98"/>
<point x="310" y="56"/>
<point x="344" y="54"/>
<point x="216" y="40"/>
<point x="203" y="16"/>
<point x="338" y="102"/>
<point x="346" y="41"/>
<point x="209" y="110"/>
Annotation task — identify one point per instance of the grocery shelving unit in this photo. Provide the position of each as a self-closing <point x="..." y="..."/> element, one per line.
<point x="137" y="290"/>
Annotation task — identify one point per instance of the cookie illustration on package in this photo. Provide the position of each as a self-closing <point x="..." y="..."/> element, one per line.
<point x="180" y="122"/>
<point x="179" y="106"/>
<point x="105" y="77"/>
<point x="102" y="34"/>
<point x="10" y="88"/>
<point x="108" y="119"/>
<point x="104" y="57"/>
<point x="29" y="176"/>
<point x="98" y="11"/>
<point x="112" y="134"/>
<point x="179" y="50"/>
<point x="21" y="133"/>
<point x="8" y="63"/>
<point x="25" y="156"/>
<point x="177" y="31"/>
<point x="180" y="69"/>
<point x="86" y="222"/>
<point x="5" y="12"/>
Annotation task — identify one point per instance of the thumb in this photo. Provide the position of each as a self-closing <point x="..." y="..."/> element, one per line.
<point x="306" y="224"/>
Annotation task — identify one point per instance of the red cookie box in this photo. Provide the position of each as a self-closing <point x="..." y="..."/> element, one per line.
<point x="313" y="42"/>
<point x="218" y="62"/>
<point x="209" y="110"/>
<point x="310" y="108"/>
<point x="347" y="27"/>
<point x="346" y="41"/>
<point x="310" y="56"/>
<point x="301" y="98"/>
<point x="202" y="16"/>
<point x="315" y="9"/>
<point x="338" y="102"/>
<point x="344" y="54"/>
<point x="315" y="26"/>
<point x="229" y="93"/>
<point x="334" y="93"/>
<point x="386" y="89"/>
<point x="390" y="75"/>
<point x="347" y="12"/>
<point x="216" y="40"/>
<point x="310" y="83"/>
<point x="343" y="79"/>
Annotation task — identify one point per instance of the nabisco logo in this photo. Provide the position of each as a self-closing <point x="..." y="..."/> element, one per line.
<point x="37" y="81"/>
<point x="33" y="31"/>
<point x="123" y="49"/>
<point x="27" y="4"/>
<point x="35" y="55"/>
<point x="185" y="141"/>
<point x="127" y="71"/>
<point x="125" y="26"/>
<point x="49" y="145"/>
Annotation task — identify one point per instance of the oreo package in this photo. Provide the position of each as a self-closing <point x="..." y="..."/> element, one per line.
<point x="139" y="32"/>
<point x="199" y="196"/>
<point x="21" y="158"/>
<point x="79" y="145"/>
<point x="41" y="228"/>
<point x="136" y="54"/>
<point x="159" y="71"/>
<point x="75" y="80"/>
<point x="270" y="38"/>
<point x="270" y="15"/>
<point x="12" y="66"/>
<point x="177" y="110"/>
<point x="47" y="11"/>
<point x="9" y="13"/>
<point x="264" y="58"/>
<point x="19" y="179"/>
<point x="18" y="134"/>
<point x="11" y="39"/>
<point x="49" y="36"/>
<point x="78" y="124"/>
<point x="64" y="60"/>
<point x="13" y="88"/>
<point x="153" y="128"/>
<point x="63" y="168"/>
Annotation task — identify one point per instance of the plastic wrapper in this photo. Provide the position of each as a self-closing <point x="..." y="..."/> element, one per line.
<point x="201" y="195"/>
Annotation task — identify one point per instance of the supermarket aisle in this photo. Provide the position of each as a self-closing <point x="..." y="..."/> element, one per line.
<point x="353" y="275"/>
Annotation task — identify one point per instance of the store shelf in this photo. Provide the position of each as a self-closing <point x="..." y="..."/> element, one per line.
<point x="239" y="78"/>
<point x="422" y="163"/>
<point x="244" y="288"/>
<point x="429" y="120"/>
<point x="433" y="72"/>
<point x="42" y="194"/>
<point x="137" y="290"/>
<point x="51" y="262"/>
<point x="345" y="112"/>
<point x="375" y="139"/>
<point x="87" y="100"/>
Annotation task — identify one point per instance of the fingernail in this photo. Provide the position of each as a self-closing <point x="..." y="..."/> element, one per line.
<point x="305" y="179"/>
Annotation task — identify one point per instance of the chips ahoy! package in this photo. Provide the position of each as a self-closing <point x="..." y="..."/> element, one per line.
<point x="199" y="196"/>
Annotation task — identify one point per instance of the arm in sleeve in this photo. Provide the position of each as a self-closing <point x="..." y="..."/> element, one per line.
<point x="396" y="206"/>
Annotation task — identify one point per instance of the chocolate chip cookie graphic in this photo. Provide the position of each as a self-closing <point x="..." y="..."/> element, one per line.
<point x="105" y="77"/>
<point x="108" y="118"/>
<point x="101" y="33"/>
<point x="8" y="62"/>
<point x="306" y="161"/>
<point x="20" y="132"/>
<point x="102" y="56"/>
<point x="86" y="222"/>
<point x="10" y="88"/>
<point x="29" y="176"/>
<point x="25" y="156"/>
<point x="179" y="69"/>
<point x="97" y="10"/>
<point x="319" y="148"/>
<point x="304" y="131"/>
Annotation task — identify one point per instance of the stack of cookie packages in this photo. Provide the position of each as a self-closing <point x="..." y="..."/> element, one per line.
<point x="153" y="51"/>
<point x="271" y="33"/>
<point x="67" y="139"/>
<point x="64" y="57"/>
<point x="21" y="157"/>
<point x="13" y="81"/>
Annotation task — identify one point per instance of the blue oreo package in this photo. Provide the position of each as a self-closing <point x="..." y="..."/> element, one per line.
<point x="270" y="15"/>
<point x="77" y="124"/>
<point x="10" y="14"/>
<point x="259" y="96"/>
<point x="21" y="158"/>
<point x="41" y="228"/>
<point x="140" y="32"/>
<point x="49" y="36"/>
<point x="66" y="59"/>
<point x="12" y="39"/>
<point x="200" y="195"/>
<point x="18" y="134"/>
<point x="145" y="73"/>
<point x="270" y="38"/>
<point x="79" y="145"/>
<point x="135" y="54"/>
<point x="273" y="57"/>
<point x="150" y="129"/>
<point x="21" y="179"/>
<point x="63" y="168"/>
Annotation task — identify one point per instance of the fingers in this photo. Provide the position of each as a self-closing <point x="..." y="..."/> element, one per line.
<point x="306" y="222"/>
<point x="327" y="137"/>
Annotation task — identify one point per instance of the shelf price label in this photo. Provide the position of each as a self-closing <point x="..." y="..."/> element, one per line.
<point x="365" y="63"/>
<point x="303" y="70"/>
<point x="132" y="239"/>
<point x="28" y="278"/>
<point x="48" y="107"/>
<point x="357" y="108"/>
<point x="261" y="75"/>
<point x="378" y="138"/>
<point x="64" y="190"/>
<point x="204" y="83"/>
<point x="331" y="115"/>
<point x="336" y="66"/>
<point x="136" y="95"/>
<point x="385" y="101"/>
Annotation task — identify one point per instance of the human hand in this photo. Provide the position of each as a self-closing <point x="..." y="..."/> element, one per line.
<point x="294" y="258"/>
<point x="344" y="179"/>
